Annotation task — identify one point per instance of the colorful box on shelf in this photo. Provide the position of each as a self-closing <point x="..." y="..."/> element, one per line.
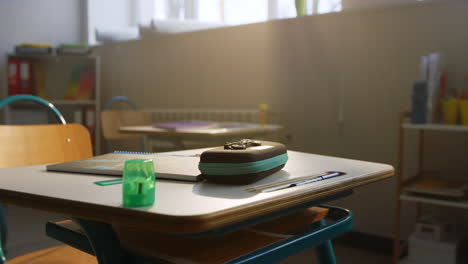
<point x="81" y="83"/>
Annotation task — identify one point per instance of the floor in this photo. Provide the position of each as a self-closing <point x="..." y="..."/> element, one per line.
<point x="344" y="255"/>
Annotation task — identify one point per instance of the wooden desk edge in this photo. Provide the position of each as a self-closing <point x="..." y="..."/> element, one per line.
<point x="170" y="224"/>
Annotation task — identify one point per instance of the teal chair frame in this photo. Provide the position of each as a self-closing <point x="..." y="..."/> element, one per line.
<point x="35" y="99"/>
<point x="59" y="116"/>
<point x="115" y="99"/>
<point x="101" y="241"/>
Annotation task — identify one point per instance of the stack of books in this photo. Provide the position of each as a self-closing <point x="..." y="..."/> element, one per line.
<point x="33" y="48"/>
<point x="73" y="49"/>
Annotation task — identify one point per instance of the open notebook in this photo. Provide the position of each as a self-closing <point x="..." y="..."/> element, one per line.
<point x="166" y="166"/>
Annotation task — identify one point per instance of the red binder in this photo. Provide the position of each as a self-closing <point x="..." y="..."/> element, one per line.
<point x="26" y="82"/>
<point x="20" y="79"/>
<point x="13" y="76"/>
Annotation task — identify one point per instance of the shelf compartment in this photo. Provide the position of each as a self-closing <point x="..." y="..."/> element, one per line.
<point x="436" y="187"/>
<point x="32" y="105"/>
<point x="436" y="127"/>
<point x="52" y="56"/>
<point x="73" y="102"/>
<point x="435" y="201"/>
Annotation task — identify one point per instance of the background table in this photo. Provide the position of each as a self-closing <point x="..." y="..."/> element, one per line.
<point x="213" y="134"/>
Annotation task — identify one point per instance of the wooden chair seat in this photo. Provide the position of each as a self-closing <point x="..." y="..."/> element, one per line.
<point x="55" y="255"/>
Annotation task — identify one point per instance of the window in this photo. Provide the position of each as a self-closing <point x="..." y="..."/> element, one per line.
<point x="174" y="16"/>
<point x="237" y="12"/>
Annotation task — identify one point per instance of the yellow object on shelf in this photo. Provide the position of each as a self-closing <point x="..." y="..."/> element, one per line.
<point x="450" y="111"/>
<point x="464" y="112"/>
<point x="39" y="81"/>
<point x="262" y="115"/>
<point x="36" y="45"/>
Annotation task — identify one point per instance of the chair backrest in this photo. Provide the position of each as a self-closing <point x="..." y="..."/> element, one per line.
<point x="116" y="99"/>
<point x="111" y="121"/>
<point x="35" y="99"/>
<point x="41" y="144"/>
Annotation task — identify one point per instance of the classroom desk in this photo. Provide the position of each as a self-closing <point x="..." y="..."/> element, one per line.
<point x="183" y="207"/>
<point x="215" y="133"/>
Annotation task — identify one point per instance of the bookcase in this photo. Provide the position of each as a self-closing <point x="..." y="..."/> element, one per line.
<point x="70" y="82"/>
<point x="432" y="193"/>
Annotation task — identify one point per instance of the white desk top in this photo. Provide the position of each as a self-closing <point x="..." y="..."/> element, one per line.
<point x="247" y="128"/>
<point x="182" y="207"/>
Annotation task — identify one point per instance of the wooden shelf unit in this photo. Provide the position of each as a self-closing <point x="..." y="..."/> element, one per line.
<point x="402" y="195"/>
<point x="435" y="201"/>
<point x="73" y="102"/>
<point x="56" y="74"/>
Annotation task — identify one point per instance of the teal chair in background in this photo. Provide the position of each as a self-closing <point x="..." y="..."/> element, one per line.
<point x="111" y="120"/>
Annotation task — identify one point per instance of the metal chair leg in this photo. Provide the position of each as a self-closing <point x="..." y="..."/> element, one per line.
<point x="3" y="234"/>
<point x="110" y="148"/>
<point x="104" y="242"/>
<point x="324" y="251"/>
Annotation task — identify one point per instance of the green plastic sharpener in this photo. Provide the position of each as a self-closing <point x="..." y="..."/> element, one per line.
<point x="138" y="183"/>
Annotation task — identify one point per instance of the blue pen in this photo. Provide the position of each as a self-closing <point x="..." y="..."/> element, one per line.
<point x="326" y="176"/>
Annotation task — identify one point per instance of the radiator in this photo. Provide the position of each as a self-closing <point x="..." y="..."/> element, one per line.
<point x="248" y="115"/>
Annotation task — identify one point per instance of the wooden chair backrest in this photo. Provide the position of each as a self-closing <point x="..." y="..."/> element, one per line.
<point x="111" y="121"/>
<point x="24" y="145"/>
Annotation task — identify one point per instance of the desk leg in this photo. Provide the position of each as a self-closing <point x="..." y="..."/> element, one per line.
<point x="106" y="245"/>
<point x="147" y="144"/>
<point x="324" y="251"/>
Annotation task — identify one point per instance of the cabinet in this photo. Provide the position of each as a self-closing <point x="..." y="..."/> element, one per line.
<point x="405" y="182"/>
<point x="70" y="82"/>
